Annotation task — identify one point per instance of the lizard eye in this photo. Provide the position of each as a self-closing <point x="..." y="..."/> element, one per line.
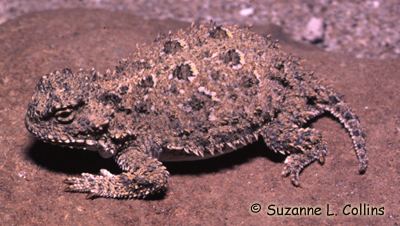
<point x="65" y="115"/>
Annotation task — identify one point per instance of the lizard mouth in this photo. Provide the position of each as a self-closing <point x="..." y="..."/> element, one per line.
<point x="62" y="140"/>
<point x="103" y="146"/>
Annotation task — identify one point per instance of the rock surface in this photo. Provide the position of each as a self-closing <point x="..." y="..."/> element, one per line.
<point x="216" y="191"/>
<point x="365" y="29"/>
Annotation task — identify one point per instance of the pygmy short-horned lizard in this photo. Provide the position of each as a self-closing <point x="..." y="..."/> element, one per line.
<point x="197" y="93"/>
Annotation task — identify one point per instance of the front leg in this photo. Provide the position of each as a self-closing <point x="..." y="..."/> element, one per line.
<point x="142" y="176"/>
<point x="304" y="146"/>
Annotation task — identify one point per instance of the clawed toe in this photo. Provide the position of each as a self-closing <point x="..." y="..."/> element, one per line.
<point x="79" y="184"/>
<point x="293" y="172"/>
<point x="295" y="163"/>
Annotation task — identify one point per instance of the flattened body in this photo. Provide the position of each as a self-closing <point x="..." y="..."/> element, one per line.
<point x="200" y="93"/>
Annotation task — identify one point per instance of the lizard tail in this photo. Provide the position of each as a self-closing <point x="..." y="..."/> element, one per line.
<point x="339" y="109"/>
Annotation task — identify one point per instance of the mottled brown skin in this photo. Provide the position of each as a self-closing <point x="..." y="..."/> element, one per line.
<point x="198" y="93"/>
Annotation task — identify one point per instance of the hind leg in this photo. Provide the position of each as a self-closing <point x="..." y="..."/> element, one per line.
<point x="142" y="176"/>
<point x="303" y="146"/>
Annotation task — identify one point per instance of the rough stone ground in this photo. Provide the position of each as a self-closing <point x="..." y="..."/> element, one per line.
<point x="362" y="28"/>
<point x="213" y="192"/>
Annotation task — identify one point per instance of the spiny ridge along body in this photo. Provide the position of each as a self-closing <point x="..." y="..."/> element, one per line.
<point x="197" y="93"/>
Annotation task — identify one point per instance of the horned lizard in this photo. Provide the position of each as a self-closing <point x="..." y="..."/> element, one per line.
<point x="194" y="94"/>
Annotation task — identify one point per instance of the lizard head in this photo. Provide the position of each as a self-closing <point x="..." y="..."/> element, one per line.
<point x="66" y="110"/>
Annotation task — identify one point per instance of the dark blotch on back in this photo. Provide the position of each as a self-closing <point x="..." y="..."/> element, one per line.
<point x="147" y="82"/>
<point x="171" y="47"/>
<point x="311" y="100"/>
<point x="182" y="72"/>
<point x="281" y="81"/>
<point x="232" y="56"/>
<point x="195" y="103"/>
<point x="123" y="90"/>
<point x="142" y="107"/>
<point x="110" y="98"/>
<point x="249" y="80"/>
